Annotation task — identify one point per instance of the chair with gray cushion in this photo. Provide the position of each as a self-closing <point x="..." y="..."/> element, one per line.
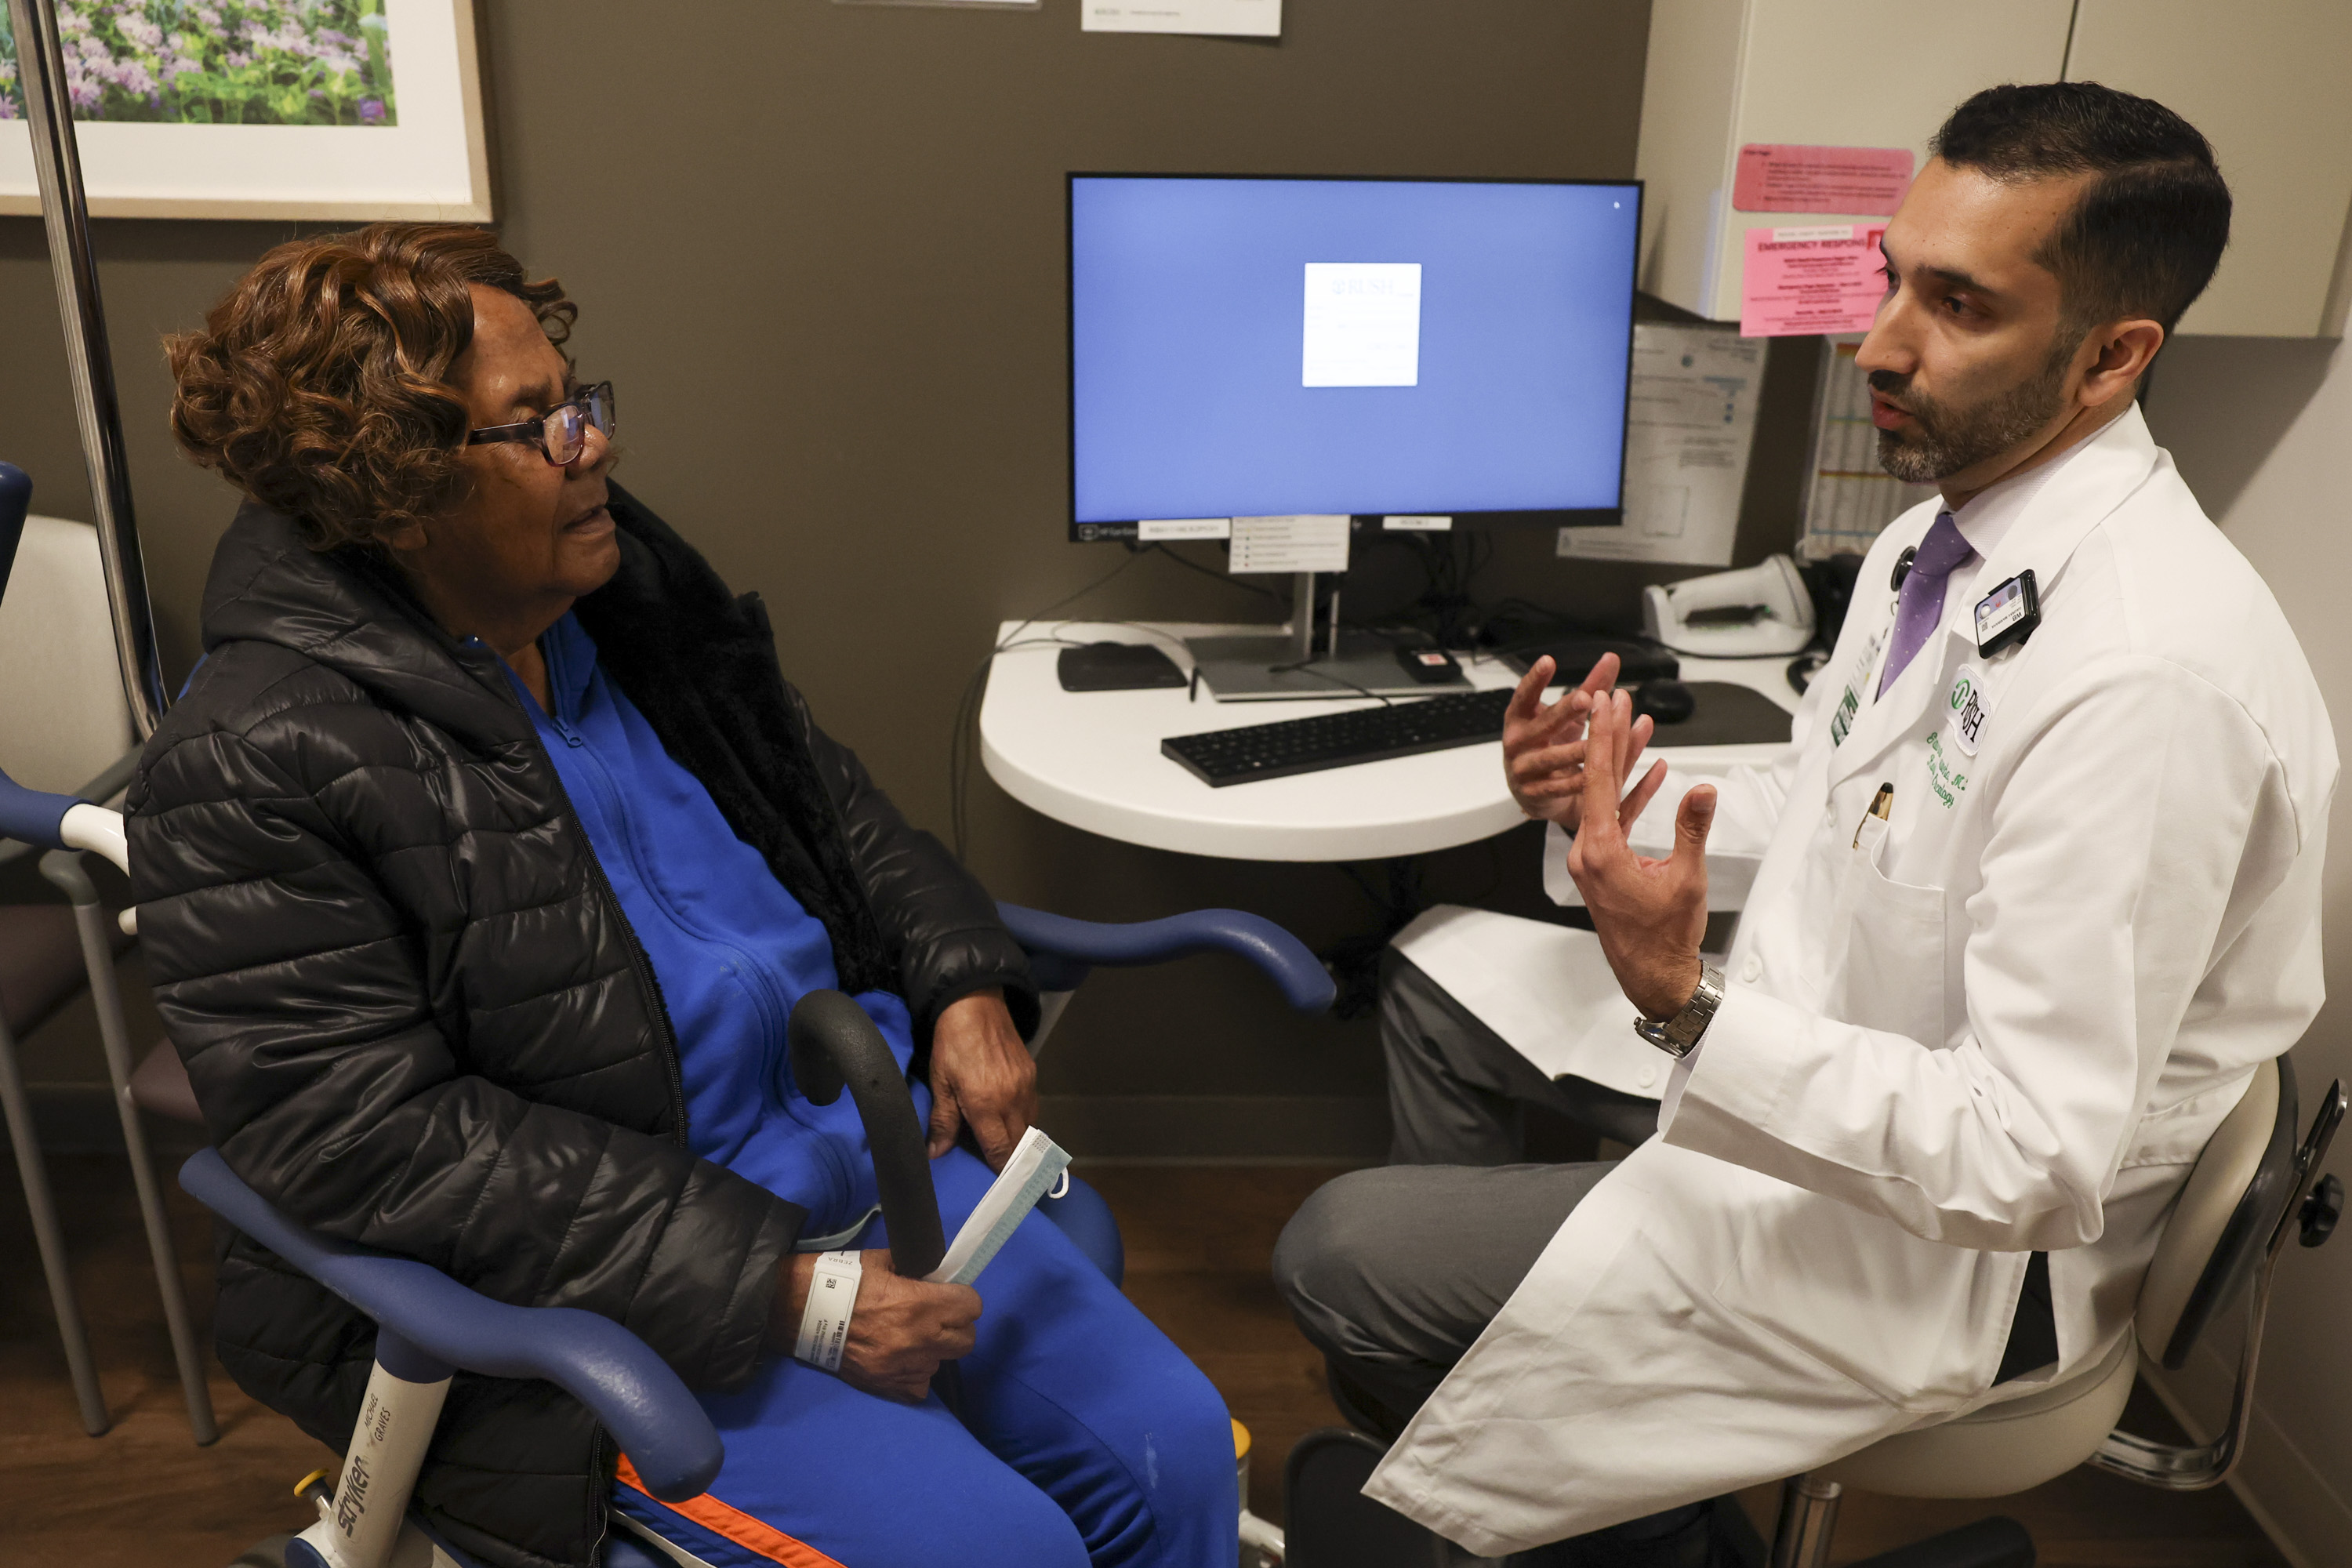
<point x="65" y="725"/>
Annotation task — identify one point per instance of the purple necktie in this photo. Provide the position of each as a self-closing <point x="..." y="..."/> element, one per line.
<point x="1919" y="604"/>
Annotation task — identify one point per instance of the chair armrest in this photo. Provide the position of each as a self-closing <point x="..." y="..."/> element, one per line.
<point x="630" y="1389"/>
<point x="46" y="821"/>
<point x="1305" y="983"/>
<point x="33" y="816"/>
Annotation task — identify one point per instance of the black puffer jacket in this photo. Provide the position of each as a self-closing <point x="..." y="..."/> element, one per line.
<point x="416" y="1018"/>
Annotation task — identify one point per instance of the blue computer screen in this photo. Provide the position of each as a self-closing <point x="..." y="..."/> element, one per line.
<point x="1243" y="347"/>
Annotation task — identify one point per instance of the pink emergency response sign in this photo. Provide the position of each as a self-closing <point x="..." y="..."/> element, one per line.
<point x="1823" y="278"/>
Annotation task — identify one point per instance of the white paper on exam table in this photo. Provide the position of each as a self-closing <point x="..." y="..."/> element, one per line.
<point x="1546" y="989"/>
<point x="1690" y="425"/>
<point x="1729" y="875"/>
<point x="1232" y="18"/>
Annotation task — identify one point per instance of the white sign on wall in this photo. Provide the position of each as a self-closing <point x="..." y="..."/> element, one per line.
<point x="1233" y="18"/>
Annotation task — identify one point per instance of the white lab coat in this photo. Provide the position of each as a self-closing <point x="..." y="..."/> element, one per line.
<point x="2003" y="1021"/>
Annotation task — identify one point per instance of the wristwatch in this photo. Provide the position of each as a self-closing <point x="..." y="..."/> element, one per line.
<point x="1679" y="1036"/>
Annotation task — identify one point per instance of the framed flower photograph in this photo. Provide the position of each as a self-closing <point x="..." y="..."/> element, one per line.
<point x="263" y="109"/>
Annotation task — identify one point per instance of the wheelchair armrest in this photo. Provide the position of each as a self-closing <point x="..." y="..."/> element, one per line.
<point x="49" y="821"/>
<point x="34" y="816"/>
<point x="632" y="1391"/>
<point x="1305" y="983"/>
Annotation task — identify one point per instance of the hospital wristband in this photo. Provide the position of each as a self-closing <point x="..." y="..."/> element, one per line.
<point x="824" y="1321"/>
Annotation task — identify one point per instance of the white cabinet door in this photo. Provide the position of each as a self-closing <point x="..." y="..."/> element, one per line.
<point x="2270" y="84"/>
<point x="1831" y="73"/>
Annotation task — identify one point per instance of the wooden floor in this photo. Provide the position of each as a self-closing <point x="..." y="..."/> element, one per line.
<point x="1198" y="1239"/>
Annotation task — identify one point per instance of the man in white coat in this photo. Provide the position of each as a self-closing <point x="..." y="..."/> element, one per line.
<point x="2039" y="888"/>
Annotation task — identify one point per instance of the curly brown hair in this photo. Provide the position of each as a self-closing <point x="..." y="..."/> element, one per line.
<point x="320" y="384"/>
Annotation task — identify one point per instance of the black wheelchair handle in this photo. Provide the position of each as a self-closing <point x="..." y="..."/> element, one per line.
<point x="833" y="1043"/>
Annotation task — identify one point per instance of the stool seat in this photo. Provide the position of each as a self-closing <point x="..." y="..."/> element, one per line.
<point x="2010" y="1447"/>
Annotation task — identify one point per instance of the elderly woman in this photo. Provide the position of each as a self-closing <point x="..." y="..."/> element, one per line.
<point x="478" y="870"/>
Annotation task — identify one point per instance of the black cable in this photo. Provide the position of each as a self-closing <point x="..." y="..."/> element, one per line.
<point x="1355" y="960"/>
<point x="1307" y="667"/>
<point x="962" y="748"/>
<point x="1229" y="581"/>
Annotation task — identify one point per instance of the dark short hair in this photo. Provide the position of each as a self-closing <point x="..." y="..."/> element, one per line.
<point x="2151" y="228"/>
<point x="320" y="385"/>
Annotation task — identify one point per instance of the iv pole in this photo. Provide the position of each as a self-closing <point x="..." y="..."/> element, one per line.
<point x="56" y="159"/>
<point x="49" y="113"/>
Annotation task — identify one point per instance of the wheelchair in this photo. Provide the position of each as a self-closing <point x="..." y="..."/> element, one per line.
<point x="429" y="1327"/>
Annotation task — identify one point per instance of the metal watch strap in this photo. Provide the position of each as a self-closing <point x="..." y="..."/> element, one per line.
<point x="1679" y="1035"/>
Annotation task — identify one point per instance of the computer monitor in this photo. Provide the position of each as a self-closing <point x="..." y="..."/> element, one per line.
<point x="1249" y="347"/>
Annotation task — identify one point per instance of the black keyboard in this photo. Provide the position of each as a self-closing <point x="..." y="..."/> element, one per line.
<point x="1222" y="757"/>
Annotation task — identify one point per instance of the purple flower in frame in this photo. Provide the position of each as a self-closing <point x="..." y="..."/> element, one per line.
<point x="371" y="112"/>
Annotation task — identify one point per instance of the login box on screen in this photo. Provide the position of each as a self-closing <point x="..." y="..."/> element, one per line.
<point x="1250" y="347"/>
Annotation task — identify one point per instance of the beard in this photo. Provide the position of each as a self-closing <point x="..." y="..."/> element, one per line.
<point x="1948" y="439"/>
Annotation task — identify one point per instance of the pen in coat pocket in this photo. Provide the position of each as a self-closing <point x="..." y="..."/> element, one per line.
<point x="1882" y="806"/>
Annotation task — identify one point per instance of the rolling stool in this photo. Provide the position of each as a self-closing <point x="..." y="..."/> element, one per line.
<point x="2253" y="1187"/>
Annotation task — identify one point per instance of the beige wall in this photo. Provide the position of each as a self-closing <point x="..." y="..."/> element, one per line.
<point x="2259" y="428"/>
<point x="819" y="249"/>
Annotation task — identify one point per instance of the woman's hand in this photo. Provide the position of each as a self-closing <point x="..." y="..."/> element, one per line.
<point x="899" y="1331"/>
<point x="982" y="1073"/>
<point x="1543" y="748"/>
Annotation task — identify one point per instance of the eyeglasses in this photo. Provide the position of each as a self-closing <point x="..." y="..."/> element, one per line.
<point x="562" y="431"/>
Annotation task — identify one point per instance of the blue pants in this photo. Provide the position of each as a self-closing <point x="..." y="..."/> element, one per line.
<point x="1087" y="1437"/>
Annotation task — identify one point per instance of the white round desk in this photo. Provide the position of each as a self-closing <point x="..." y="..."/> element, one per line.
<point x="1092" y="758"/>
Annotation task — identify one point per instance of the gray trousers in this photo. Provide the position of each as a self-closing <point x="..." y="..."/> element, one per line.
<point x="1457" y="1092"/>
<point x="1392" y="1273"/>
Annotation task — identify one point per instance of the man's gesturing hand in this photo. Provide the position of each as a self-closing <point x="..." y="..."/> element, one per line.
<point x="981" y="1073"/>
<point x="1651" y="915"/>
<point x="899" y="1332"/>
<point x="1543" y="748"/>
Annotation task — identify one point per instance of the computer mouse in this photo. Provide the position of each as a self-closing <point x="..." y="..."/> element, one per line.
<point x="1666" y="700"/>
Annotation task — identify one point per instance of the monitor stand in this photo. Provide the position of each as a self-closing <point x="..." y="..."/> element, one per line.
<point x="1288" y="667"/>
